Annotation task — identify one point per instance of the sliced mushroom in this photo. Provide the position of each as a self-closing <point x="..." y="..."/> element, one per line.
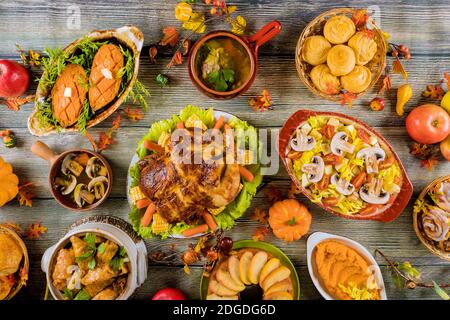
<point x="374" y="193"/>
<point x="339" y="144"/>
<point x="372" y="156"/>
<point x="67" y="183"/>
<point x="95" y="168"/>
<point x="314" y="170"/>
<point x="82" y="195"/>
<point x="98" y="186"/>
<point x="302" y="142"/>
<point x="343" y="186"/>
<point x="70" y="165"/>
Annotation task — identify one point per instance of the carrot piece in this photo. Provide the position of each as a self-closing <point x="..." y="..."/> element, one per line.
<point x="209" y="219"/>
<point x="219" y="123"/>
<point x="246" y="174"/>
<point x="148" y="215"/>
<point x="180" y="125"/>
<point x="143" y="203"/>
<point x="195" y="230"/>
<point x="153" y="146"/>
<point x="82" y="159"/>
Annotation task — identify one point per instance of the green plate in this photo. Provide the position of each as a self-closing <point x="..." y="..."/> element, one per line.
<point x="277" y="253"/>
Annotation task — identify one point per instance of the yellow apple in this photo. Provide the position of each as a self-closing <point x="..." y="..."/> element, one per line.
<point x="445" y="102"/>
<point x="445" y="148"/>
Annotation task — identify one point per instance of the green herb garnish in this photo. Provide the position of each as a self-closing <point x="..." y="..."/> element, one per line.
<point x="68" y="294"/>
<point x="82" y="295"/>
<point x="221" y="79"/>
<point x="101" y="248"/>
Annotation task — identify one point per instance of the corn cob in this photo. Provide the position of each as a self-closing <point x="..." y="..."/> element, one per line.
<point x="136" y="194"/>
<point x="159" y="225"/>
<point x="164" y="139"/>
<point x="216" y="211"/>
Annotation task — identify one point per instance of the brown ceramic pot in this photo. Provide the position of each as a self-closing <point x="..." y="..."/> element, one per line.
<point x="55" y="160"/>
<point x="250" y="43"/>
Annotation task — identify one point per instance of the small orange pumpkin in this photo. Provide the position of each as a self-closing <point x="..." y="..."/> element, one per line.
<point x="289" y="220"/>
<point x="9" y="183"/>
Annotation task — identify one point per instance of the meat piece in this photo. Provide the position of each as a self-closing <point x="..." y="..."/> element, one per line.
<point x="107" y="294"/>
<point x="69" y="95"/>
<point x="64" y="260"/>
<point x="109" y="252"/>
<point x="104" y="78"/>
<point x="79" y="249"/>
<point x="94" y="289"/>
<point x="98" y="275"/>
<point x="182" y="191"/>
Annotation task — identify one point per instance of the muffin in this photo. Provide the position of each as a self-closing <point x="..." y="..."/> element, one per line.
<point x="364" y="47"/>
<point x="357" y="80"/>
<point x="315" y="50"/>
<point x="324" y="80"/>
<point x="339" y="29"/>
<point x="341" y="60"/>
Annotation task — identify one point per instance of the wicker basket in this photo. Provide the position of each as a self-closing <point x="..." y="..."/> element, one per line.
<point x="315" y="27"/>
<point x="25" y="263"/>
<point x="430" y="244"/>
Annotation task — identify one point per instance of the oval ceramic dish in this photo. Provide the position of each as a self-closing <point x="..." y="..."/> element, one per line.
<point x="277" y="253"/>
<point x="317" y="238"/>
<point x="402" y="198"/>
<point x="129" y="36"/>
<point x="111" y="228"/>
<point x="418" y="228"/>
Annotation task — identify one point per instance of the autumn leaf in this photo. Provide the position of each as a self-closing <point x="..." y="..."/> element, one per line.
<point x="260" y="234"/>
<point x="196" y="23"/>
<point x="273" y="194"/>
<point x="116" y="122"/>
<point x="25" y="195"/>
<point x="433" y="92"/>
<point x="152" y="52"/>
<point x="23" y="276"/>
<point x="293" y="191"/>
<point x="104" y="141"/>
<point x="387" y="84"/>
<point x="177" y="59"/>
<point x="429" y="163"/>
<point x="170" y="37"/>
<point x="347" y="98"/>
<point x="32" y="59"/>
<point x="262" y="102"/>
<point x="360" y="17"/>
<point x="259" y="216"/>
<point x="397" y="67"/>
<point x="238" y="25"/>
<point x="410" y="271"/>
<point x="91" y="141"/>
<point x="35" y="230"/>
<point x="134" y="114"/>
<point x="231" y="9"/>
<point x="447" y="79"/>
<point x="16" y="102"/>
<point x="427" y="154"/>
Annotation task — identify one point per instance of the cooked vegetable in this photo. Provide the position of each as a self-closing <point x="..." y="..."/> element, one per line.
<point x="209" y="219"/>
<point x="153" y="146"/>
<point x="148" y="215"/>
<point x="143" y="203"/>
<point x="404" y="93"/>
<point x="195" y="230"/>
<point x="246" y="174"/>
<point x="9" y="183"/>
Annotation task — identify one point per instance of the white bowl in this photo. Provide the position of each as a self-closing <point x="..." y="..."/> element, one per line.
<point x="319" y="237"/>
<point x="111" y="228"/>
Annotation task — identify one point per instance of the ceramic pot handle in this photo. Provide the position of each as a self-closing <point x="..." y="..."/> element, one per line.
<point x="43" y="151"/>
<point x="45" y="262"/>
<point x="266" y="33"/>
<point x="142" y="262"/>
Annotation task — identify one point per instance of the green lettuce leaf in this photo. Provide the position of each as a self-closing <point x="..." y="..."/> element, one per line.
<point x="206" y="115"/>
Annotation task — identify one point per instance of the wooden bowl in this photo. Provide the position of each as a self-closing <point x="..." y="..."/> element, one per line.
<point x="25" y="263"/>
<point x="315" y="27"/>
<point x="430" y="244"/>
<point x="301" y="116"/>
<point x="55" y="160"/>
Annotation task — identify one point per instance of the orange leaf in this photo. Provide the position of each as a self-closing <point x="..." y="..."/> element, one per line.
<point x="134" y="114"/>
<point x="23" y="275"/>
<point x="397" y="67"/>
<point x="293" y="191"/>
<point x="92" y="141"/>
<point x="433" y="92"/>
<point x="35" y="230"/>
<point x="273" y="194"/>
<point x="176" y="59"/>
<point x="25" y="195"/>
<point x="260" y="233"/>
<point x="387" y="84"/>
<point x="259" y="216"/>
<point x="104" y="141"/>
<point x="152" y="52"/>
<point x="116" y="121"/>
<point x="360" y="17"/>
<point x="16" y="102"/>
<point x="347" y="97"/>
<point x="429" y="163"/>
<point x="262" y="102"/>
<point x="170" y="37"/>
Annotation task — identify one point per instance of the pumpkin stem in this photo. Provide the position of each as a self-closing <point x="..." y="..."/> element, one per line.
<point x="292" y="222"/>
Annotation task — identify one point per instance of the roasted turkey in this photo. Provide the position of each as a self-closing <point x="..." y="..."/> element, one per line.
<point x="182" y="191"/>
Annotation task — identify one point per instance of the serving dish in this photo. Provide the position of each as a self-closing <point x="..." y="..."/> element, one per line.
<point x="320" y="237"/>
<point x="383" y="207"/>
<point x="126" y="41"/>
<point x="316" y="28"/>
<point x="248" y="44"/>
<point x="58" y="161"/>
<point x="19" y="276"/>
<point x="251" y="292"/>
<point x="236" y="201"/>
<point x="430" y="205"/>
<point x="109" y="228"/>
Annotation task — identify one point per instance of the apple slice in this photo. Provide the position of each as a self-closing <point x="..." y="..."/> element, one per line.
<point x="277" y="275"/>
<point x="271" y="265"/>
<point x="244" y="265"/>
<point x="257" y="263"/>
<point x="284" y="285"/>
<point x="214" y="296"/>
<point x="279" y="295"/>
<point x="224" y="278"/>
<point x="233" y="269"/>
<point x="220" y="290"/>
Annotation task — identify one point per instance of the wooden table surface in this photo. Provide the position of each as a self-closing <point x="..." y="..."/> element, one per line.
<point x="422" y="25"/>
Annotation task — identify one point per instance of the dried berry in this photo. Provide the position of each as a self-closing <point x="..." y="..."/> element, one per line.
<point x="225" y="245"/>
<point x="377" y="104"/>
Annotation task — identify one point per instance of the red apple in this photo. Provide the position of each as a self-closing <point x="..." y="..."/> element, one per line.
<point x="14" y="79"/>
<point x="445" y="148"/>
<point x="169" y="294"/>
<point x="428" y="124"/>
